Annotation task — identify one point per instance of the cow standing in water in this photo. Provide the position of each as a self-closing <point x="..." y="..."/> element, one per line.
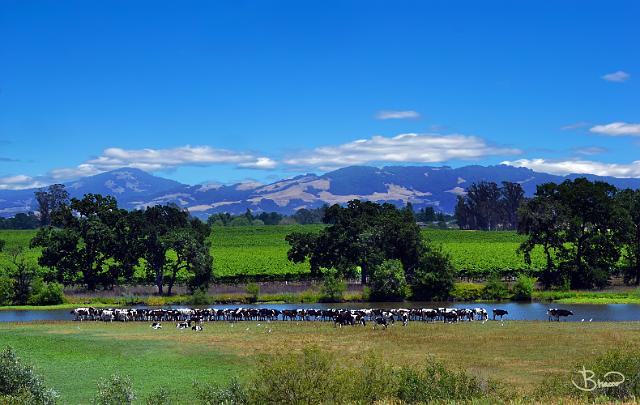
<point x="557" y="313"/>
<point x="500" y="313"/>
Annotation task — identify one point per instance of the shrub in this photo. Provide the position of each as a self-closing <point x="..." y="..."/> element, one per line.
<point x="467" y="291"/>
<point x="115" y="390"/>
<point x="310" y="378"/>
<point x="333" y="287"/>
<point x="232" y="394"/>
<point x="523" y="289"/>
<point x="387" y="282"/>
<point x="6" y="290"/>
<point x="436" y="383"/>
<point x="624" y="360"/>
<point x="161" y="397"/>
<point x="19" y="383"/>
<point x="496" y="289"/>
<point x="253" y="289"/>
<point x="434" y="277"/>
<point x="200" y="297"/>
<point x="46" y="293"/>
<point x="315" y="377"/>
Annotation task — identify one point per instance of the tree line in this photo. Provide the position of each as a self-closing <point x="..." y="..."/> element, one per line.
<point x="94" y="242"/>
<point x="303" y="216"/>
<point x="488" y="207"/>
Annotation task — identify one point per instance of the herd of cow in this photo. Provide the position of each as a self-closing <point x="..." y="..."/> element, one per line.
<point x="194" y="317"/>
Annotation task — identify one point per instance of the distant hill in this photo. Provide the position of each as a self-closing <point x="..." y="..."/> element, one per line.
<point x="421" y="185"/>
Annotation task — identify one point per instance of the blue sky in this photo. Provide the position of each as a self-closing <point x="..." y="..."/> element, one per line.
<point x="229" y="91"/>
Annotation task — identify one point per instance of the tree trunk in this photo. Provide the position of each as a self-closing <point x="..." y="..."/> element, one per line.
<point x="363" y="273"/>
<point x="159" y="281"/>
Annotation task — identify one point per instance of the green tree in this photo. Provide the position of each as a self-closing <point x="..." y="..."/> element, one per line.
<point x="628" y="204"/>
<point x="169" y="229"/>
<point x="434" y="277"/>
<point x="82" y="245"/>
<point x="23" y="273"/>
<point x="542" y="219"/>
<point x="388" y="282"/>
<point x="578" y="221"/>
<point x="50" y="202"/>
<point x="360" y="235"/>
<point x="333" y="286"/>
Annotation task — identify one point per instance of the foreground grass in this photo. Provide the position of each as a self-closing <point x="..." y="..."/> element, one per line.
<point x="72" y="356"/>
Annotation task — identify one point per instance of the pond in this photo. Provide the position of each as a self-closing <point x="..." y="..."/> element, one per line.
<point x="517" y="311"/>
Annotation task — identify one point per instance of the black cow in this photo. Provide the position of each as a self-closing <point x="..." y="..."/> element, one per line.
<point x="500" y="313"/>
<point x="557" y="313"/>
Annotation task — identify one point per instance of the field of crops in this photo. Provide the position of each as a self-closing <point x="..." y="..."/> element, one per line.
<point x="262" y="250"/>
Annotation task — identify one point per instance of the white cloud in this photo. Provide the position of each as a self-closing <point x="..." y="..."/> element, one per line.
<point x="564" y="167"/>
<point x="260" y="163"/>
<point x="617" y="129"/>
<point x="397" y="115"/>
<point x="162" y="159"/>
<point x="19" y="182"/>
<point x="405" y="148"/>
<point x="576" y="125"/>
<point x="590" y="150"/>
<point x="619" y="76"/>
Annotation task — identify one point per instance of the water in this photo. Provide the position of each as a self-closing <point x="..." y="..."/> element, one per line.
<point x="517" y="311"/>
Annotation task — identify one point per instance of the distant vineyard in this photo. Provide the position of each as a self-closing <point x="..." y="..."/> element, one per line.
<point x="262" y="250"/>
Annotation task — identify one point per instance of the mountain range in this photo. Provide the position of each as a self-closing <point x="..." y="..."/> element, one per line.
<point x="421" y="185"/>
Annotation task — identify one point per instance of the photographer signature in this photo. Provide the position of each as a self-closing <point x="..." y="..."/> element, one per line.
<point x="591" y="384"/>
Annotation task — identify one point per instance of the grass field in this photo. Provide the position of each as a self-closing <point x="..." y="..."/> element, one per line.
<point x="263" y="250"/>
<point x="72" y="356"/>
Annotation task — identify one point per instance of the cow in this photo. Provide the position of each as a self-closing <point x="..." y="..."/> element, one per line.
<point x="481" y="313"/>
<point x="500" y="313"/>
<point x="380" y="320"/>
<point x="182" y="325"/>
<point x="557" y="313"/>
<point x="405" y="319"/>
<point x="196" y="328"/>
<point x="156" y="325"/>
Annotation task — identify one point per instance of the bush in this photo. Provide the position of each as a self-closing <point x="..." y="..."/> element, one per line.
<point x="624" y="360"/>
<point x="19" y="383"/>
<point x="200" y="297"/>
<point x="7" y="286"/>
<point x="433" y="278"/>
<point x="333" y="287"/>
<point x="523" y="289"/>
<point x="46" y="293"/>
<point x="115" y="390"/>
<point x="232" y="394"/>
<point x="468" y="291"/>
<point x="161" y="397"/>
<point x="253" y="289"/>
<point x="387" y="282"/>
<point x="315" y="377"/>
<point x="436" y="383"/>
<point x="496" y="289"/>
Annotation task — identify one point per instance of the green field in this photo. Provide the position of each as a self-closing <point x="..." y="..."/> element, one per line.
<point x="72" y="356"/>
<point x="262" y="250"/>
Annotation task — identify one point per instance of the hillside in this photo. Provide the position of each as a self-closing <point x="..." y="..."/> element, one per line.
<point x="421" y="185"/>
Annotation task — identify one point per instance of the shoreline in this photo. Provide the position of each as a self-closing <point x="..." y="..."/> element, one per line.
<point x="157" y="301"/>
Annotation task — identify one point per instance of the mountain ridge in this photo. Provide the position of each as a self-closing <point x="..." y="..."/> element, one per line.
<point x="436" y="186"/>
